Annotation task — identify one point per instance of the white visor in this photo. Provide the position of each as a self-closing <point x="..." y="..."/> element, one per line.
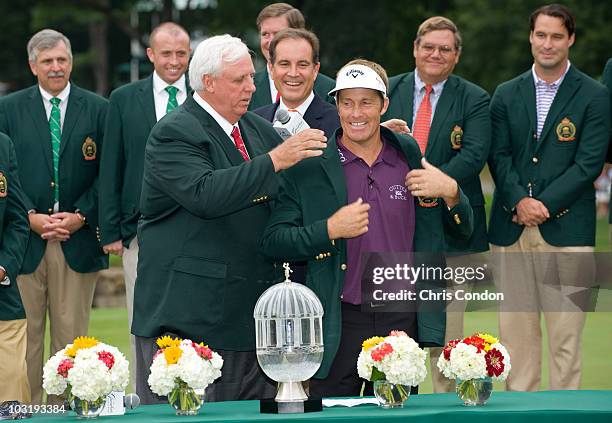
<point x="358" y="76"/>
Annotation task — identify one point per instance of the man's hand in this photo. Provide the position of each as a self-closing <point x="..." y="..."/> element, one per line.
<point x="40" y="224"/>
<point x="2" y="274"/>
<point x="530" y="212"/>
<point x="349" y="221"/>
<point x="60" y="226"/>
<point x="397" y="125"/>
<point x="307" y="143"/>
<point x="431" y="182"/>
<point x="114" y="248"/>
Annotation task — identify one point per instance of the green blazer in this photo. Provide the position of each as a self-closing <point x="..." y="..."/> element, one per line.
<point x="261" y="97"/>
<point x="131" y="115"/>
<point x="14" y="230"/>
<point x="23" y="118"/>
<point x="560" y="168"/>
<point x="607" y="80"/>
<point x="204" y="210"/>
<point x="310" y="193"/>
<point x="459" y="141"/>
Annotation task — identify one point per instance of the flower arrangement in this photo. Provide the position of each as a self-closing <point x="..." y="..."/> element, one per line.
<point x="86" y="370"/>
<point x="477" y="357"/>
<point x="180" y="367"/>
<point x="396" y="359"/>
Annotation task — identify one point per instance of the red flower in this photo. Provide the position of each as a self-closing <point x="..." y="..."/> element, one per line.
<point x="64" y="366"/>
<point x="449" y="347"/>
<point x="202" y="350"/>
<point x="107" y="358"/>
<point x="495" y="362"/>
<point x="476" y="341"/>
<point x="381" y="351"/>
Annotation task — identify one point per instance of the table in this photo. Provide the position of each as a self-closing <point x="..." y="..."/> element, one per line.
<point x="540" y="407"/>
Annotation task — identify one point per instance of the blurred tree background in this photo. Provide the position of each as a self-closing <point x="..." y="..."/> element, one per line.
<point x="109" y="36"/>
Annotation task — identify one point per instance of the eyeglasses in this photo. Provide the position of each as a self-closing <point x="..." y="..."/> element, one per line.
<point x="430" y="48"/>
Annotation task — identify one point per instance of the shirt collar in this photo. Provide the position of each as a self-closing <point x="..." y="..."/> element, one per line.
<point x="419" y="85"/>
<point x="223" y="123"/>
<point x="302" y="107"/>
<point x="159" y="85"/>
<point x="63" y="96"/>
<point x="538" y="81"/>
<point x="387" y="154"/>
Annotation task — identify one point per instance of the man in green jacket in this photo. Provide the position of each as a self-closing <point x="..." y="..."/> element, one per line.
<point x="133" y="110"/>
<point x="607" y="80"/>
<point x="367" y="193"/>
<point x="455" y="136"/>
<point x="272" y="19"/>
<point x="14" y="233"/>
<point x="551" y="129"/>
<point x="57" y="129"/>
<point x="209" y="175"/>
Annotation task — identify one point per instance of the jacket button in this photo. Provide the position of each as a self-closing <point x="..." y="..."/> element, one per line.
<point x="535" y="160"/>
<point x="343" y="266"/>
<point x="52" y="184"/>
<point x="50" y="211"/>
<point x="457" y="218"/>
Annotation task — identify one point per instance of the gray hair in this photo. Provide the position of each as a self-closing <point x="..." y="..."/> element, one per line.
<point x="45" y="40"/>
<point x="212" y="55"/>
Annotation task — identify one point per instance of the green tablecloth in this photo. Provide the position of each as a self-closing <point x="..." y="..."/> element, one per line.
<point x="540" y="407"/>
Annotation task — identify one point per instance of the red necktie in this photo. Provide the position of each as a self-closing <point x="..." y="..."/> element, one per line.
<point x="277" y="96"/>
<point x="422" y="123"/>
<point x="240" y="144"/>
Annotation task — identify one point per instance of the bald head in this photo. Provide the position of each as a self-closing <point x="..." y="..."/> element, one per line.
<point x="169" y="51"/>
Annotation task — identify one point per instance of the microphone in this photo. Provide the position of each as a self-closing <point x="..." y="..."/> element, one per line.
<point x="288" y="124"/>
<point x="131" y="401"/>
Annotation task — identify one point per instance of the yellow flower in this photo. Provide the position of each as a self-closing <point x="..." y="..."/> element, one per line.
<point x="81" y="343"/>
<point x="166" y="341"/>
<point x="489" y="340"/>
<point x="172" y="354"/>
<point x="372" y="342"/>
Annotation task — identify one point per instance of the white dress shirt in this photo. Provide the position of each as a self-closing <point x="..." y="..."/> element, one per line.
<point x="160" y="95"/>
<point x="63" y="96"/>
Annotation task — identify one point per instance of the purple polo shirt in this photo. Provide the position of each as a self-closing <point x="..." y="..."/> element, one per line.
<point x="391" y="215"/>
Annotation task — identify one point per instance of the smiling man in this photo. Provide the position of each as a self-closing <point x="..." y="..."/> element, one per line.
<point x="449" y="117"/>
<point x="272" y="19"/>
<point x="133" y="111"/>
<point x="551" y="129"/>
<point x="334" y="208"/>
<point x="209" y="176"/>
<point x="57" y="129"/>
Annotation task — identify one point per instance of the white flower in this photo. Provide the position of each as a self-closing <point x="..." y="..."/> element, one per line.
<point x="467" y="363"/>
<point x="53" y="383"/>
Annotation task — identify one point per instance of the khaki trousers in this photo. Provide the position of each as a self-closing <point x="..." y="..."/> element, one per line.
<point x="454" y="324"/>
<point x="130" y="265"/>
<point x="549" y="281"/>
<point x="13" y="368"/>
<point x="66" y="295"/>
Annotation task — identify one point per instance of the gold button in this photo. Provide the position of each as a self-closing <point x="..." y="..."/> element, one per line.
<point x="535" y="136"/>
<point x="457" y="218"/>
<point x="333" y="242"/>
<point x="535" y="160"/>
<point x="50" y="211"/>
<point x="328" y="254"/>
<point x="343" y="266"/>
<point x="52" y="184"/>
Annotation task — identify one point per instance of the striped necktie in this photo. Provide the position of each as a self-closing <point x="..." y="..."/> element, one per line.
<point x="56" y="139"/>
<point x="422" y="122"/>
<point x="172" y="102"/>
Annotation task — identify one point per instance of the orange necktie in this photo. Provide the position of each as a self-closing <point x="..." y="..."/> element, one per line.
<point x="422" y="123"/>
<point x="240" y="144"/>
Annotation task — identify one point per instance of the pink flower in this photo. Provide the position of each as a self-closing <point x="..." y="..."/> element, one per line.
<point x="381" y="351"/>
<point x="64" y="366"/>
<point x="107" y="358"/>
<point x="202" y="350"/>
<point x="397" y="333"/>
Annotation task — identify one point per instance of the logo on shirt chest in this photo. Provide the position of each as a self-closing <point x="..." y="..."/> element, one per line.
<point x="398" y="192"/>
<point x="566" y="130"/>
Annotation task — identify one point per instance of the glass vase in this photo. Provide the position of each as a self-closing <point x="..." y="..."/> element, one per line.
<point x="474" y="391"/>
<point x="390" y="395"/>
<point x="185" y="400"/>
<point x="87" y="409"/>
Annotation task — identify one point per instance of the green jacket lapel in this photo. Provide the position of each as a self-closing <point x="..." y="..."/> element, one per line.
<point x="527" y="88"/>
<point x="147" y="102"/>
<point x="445" y="102"/>
<point x="220" y="137"/>
<point x="331" y="164"/>
<point x="405" y="93"/>
<point x="566" y="92"/>
<point x="41" y="123"/>
<point x="75" y="106"/>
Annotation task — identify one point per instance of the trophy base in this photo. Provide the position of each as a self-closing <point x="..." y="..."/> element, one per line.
<point x="270" y="406"/>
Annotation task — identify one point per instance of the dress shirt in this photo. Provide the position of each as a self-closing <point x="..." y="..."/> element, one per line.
<point x="419" y="94"/>
<point x="63" y="96"/>
<point x="302" y="107"/>
<point x="160" y="95"/>
<point x="545" y="95"/>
